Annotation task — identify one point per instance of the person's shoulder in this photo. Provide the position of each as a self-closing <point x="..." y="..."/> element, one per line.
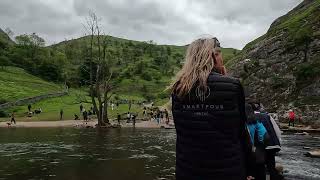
<point x="216" y="77"/>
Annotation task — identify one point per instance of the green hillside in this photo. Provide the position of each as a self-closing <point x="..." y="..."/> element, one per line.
<point x="16" y="83"/>
<point x="140" y="68"/>
<point x="141" y="71"/>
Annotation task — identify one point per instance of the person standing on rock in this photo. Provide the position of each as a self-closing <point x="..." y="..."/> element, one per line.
<point x="208" y="110"/>
<point x="133" y="120"/>
<point x="166" y="115"/>
<point x="118" y="118"/>
<point x="291" y="117"/>
<point x="128" y="117"/>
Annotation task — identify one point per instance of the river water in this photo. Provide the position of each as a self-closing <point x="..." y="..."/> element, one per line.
<point x="142" y="154"/>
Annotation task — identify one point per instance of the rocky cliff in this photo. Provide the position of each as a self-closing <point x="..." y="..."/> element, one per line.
<point x="282" y="68"/>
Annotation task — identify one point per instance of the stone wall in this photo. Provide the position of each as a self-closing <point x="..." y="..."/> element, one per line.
<point x="31" y="100"/>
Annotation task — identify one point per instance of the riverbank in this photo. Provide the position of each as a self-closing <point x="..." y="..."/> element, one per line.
<point x="298" y="129"/>
<point x="74" y="123"/>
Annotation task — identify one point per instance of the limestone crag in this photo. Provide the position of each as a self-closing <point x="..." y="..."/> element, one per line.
<point x="282" y="68"/>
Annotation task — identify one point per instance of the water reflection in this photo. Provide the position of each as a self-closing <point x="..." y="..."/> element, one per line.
<point x="66" y="153"/>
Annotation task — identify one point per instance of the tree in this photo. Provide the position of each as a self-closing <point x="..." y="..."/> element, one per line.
<point x="31" y="42"/>
<point x="304" y="37"/>
<point x="100" y="67"/>
<point x="4" y="61"/>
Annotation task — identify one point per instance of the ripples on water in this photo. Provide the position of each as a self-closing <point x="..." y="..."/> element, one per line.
<point x="142" y="154"/>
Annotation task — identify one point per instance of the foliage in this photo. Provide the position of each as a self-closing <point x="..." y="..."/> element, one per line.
<point x="307" y="72"/>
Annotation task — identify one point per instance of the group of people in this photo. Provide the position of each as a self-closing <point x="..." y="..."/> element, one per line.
<point x="221" y="134"/>
<point x="86" y="115"/>
<point x="157" y="115"/>
<point x="265" y="136"/>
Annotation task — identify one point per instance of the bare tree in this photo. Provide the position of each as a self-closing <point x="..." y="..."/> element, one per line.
<point x="100" y="69"/>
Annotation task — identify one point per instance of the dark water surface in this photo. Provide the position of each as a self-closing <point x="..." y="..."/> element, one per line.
<point x="142" y="154"/>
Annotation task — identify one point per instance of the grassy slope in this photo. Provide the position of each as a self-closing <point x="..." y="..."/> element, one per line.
<point x="134" y="84"/>
<point x="15" y="83"/>
<point x="70" y="105"/>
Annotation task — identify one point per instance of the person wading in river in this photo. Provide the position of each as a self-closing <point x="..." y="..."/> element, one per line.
<point x="209" y="114"/>
<point x="273" y="143"/>
<point x="259" y="137"/>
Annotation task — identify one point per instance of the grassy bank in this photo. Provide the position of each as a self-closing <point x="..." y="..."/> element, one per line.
<point x="70" y="105"/>
<point x="16" y="83"/>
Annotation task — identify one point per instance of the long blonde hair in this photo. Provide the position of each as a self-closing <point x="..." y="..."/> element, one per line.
<point x="199" y="62"/>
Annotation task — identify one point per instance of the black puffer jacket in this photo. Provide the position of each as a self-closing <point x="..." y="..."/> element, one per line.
<point x="211" y="135"/>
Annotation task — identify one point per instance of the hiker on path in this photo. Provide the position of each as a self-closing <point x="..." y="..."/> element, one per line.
<point x="29" y="108"/>
<point x="85" y="114"/>
<point x="61" y="114"/>
<point x="13" y="118"/>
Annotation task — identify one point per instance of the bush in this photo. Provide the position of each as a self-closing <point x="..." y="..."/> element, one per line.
<point x="2" y="101"/>
<point x="3" y="113"/>
<point x="146" y="76"/>
<point x="307" y="71"/>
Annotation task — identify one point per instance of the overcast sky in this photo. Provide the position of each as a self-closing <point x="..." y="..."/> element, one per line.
<point x="234" y="22"/>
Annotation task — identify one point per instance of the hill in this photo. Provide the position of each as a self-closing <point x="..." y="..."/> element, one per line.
<point x="4" y="38"/>
<point x="141" y="71"/>
<point x="286" y="60"/>
<point x="140" y="68"/>
<point x="16" y="83"/>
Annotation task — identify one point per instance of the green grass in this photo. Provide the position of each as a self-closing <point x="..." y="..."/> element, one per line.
<point x="70" y="105"/>
<point x="15" y="83"/>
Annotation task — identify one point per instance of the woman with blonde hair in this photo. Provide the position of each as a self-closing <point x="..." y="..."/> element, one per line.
<point x="209" y="114"/>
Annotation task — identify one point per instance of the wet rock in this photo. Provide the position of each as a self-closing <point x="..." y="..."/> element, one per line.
<point x="303" y="133"/>
<point x="280" y="169"/>
<point x="313" y="154"/>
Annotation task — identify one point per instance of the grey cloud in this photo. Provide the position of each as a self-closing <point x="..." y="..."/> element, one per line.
<point x="235" y="23"/>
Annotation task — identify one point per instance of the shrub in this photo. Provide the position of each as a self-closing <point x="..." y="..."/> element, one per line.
<point x="3" y="113"/>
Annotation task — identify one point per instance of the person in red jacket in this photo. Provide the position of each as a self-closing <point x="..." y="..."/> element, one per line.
<point x="291" y="117"/>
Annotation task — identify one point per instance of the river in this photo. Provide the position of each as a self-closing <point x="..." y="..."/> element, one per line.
<point x="142" y="154"/>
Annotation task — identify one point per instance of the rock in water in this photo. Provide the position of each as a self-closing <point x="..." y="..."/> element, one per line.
<point x="313" y="154"/>
<point x="279" y="168"/>
<point x="303" y="133"/>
